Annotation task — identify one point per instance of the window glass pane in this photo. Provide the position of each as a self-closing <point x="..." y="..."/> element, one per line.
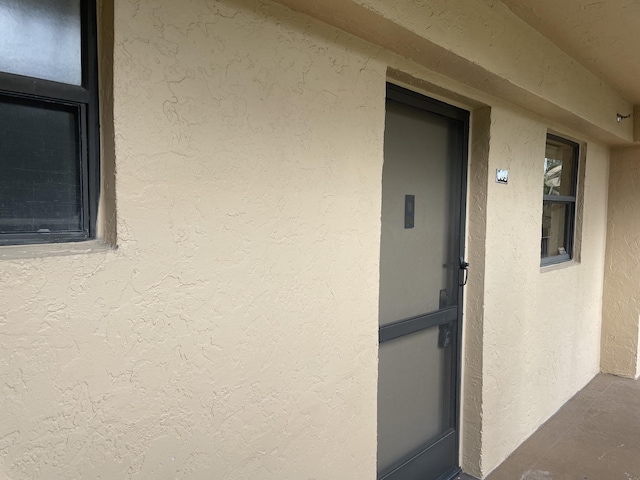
<point x="41" y="38"/>
<point x="39" y="168"/>
<point x="555" y="217"/>
<point x="559" y="169"/>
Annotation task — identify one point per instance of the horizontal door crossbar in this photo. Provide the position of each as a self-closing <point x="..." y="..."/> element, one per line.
<point x="431" y="457"/>
<point x="415" y="324"/>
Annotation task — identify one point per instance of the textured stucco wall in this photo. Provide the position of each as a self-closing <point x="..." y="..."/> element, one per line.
<point x="510" y="49"/>
<point x="541" y="327"/>
<point x="484" y="45"/>
<point x="233" y="332"/>
<point x="472" y="394"/>
<point x="621" y="310"/>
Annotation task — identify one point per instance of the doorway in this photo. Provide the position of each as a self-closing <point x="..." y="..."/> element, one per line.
<point x="422" y="274"/>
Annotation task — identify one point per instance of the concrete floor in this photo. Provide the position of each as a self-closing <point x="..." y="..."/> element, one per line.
<point x="595" y="436"/>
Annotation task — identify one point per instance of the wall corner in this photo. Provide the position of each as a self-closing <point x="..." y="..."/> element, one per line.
<point x="472" y="398"/>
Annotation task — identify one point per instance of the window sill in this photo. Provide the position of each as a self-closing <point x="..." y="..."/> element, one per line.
<point x="558" y="266"/>
<point x="18" y="252"/>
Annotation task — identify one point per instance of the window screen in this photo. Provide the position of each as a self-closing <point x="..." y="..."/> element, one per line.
<point x="40" y="174"/>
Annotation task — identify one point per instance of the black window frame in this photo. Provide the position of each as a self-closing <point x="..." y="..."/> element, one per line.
<point x="569" y="200"/>
<point x="83" y="98"/>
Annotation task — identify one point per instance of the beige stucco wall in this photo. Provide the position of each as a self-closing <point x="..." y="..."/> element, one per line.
<point x="540" y="327"/>
<point x="485" y="46"/>
<point x="473" y="346"/>
<point x="233" y="332"/>
<point x="621" y="312"/>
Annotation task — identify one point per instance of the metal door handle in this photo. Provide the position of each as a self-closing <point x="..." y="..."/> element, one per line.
<point x="465" y="267"/>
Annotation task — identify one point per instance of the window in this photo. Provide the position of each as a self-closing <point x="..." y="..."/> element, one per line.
<point x="559" y="200"/>
<point x="49" y="176"/>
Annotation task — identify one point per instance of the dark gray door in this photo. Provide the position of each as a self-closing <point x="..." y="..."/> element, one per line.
<point x="421" y="277"/>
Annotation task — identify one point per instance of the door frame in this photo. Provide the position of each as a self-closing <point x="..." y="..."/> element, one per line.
<point x="422" y="102"/>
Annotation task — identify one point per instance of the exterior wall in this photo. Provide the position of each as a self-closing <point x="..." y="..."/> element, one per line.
<point x="531" y="334"/>
<point x="483" y="45"/>
<point x="541" y="327"/>
<point x="473" y="346"/>
<point x="510" y="49"/>
<point x="233" y="332"/>
<point x="621" y="312"/>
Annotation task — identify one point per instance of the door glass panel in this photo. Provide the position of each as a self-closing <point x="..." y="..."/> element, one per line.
<point x="42" y="39"/>
<point x="413" y="395"/>
<point x="418" y="268"/>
